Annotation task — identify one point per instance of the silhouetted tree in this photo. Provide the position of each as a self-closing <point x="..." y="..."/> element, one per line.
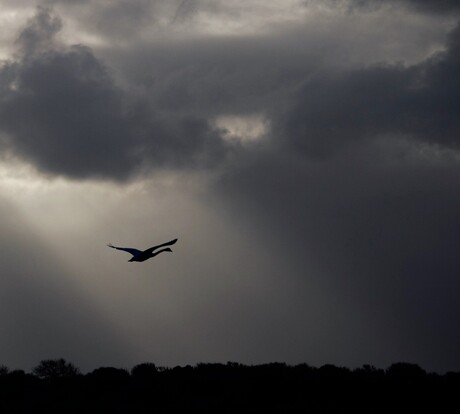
<point x="4" y="369"/>
<point x="404" y="370"/>
<point x="55" y="368"/>
<point x="145" y="371"/>
<point x="369" y="372"/>
<point x="109" y="376"/>
<point x="233" y="387"/>
<point x="332" y="372"/>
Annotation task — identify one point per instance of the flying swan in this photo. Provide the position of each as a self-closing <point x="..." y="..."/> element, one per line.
<point x="141" y="256"/>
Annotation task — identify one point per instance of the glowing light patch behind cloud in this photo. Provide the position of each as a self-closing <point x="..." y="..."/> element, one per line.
<point x="244" y="129"/>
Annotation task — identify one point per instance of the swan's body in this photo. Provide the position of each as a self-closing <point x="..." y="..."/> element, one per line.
<point x="141" y="256"/>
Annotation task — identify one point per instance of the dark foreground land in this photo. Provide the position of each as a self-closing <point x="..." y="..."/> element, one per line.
<point x="56" y="386"/>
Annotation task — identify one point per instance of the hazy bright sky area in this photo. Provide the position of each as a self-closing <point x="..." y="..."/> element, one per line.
<point x="305" y="153"/>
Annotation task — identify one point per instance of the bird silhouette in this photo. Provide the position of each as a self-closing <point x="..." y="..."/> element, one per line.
<point x="142" y="256"/>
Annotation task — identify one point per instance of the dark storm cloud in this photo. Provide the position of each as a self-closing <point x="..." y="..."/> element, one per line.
<point x="443" y="6"/>
<point x="430" y="6"/>
<point x="419" y="102"/>
<point x="63" y="112"/>
<point x="40" y="32"/>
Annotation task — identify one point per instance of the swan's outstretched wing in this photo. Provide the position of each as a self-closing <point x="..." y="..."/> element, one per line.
<point x="134" y="252"/>
<point x="170" y="243"/>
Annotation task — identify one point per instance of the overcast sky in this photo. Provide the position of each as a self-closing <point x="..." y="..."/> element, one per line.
<point x="306" y="154"/>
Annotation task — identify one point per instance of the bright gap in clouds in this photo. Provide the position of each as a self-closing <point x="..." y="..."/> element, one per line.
<point x="243" y="129"/>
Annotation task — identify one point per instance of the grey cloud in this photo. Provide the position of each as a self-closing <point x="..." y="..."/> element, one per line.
<point x="333" y="111"/>
<point x="226" y="75"/>
<point x="124" y="20"/>
<point x="185" y="9"/>
<point x="213" y="75"/>
<point x="121" y="19"/>
<point x="63" y="112"/>
<point x="436" y="6"/>
<point x="420" y="102"/>
<point x="131" y="21"/>
<point x="444" y="6"/>
<point x="39" y="33"/>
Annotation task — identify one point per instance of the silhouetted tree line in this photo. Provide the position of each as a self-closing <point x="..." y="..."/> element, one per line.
<point x="58" y="386"/>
